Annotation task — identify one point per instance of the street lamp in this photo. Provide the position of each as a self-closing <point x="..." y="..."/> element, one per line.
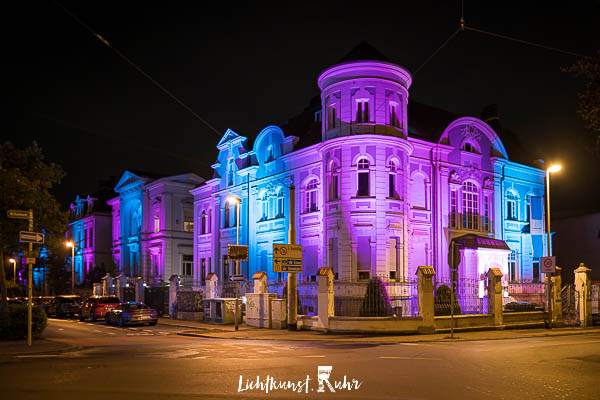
<point x="72" y="246"/>
<point x="14" y="262"/>
<point x="237" y="201"/>
<point x="551" y="169"/>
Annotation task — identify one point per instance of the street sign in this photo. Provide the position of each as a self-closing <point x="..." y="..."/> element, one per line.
<point x="287" y="258"/>
<point x="237" y="252"/>
<point x="549" y="265"/>
<point x="237" y="278"/>
<point x="21" y="214"/>
<point x="31" y="237"/>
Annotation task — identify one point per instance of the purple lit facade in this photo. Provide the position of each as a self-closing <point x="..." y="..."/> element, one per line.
<point x="152" y="225"/>
<point x="381" y="193"/>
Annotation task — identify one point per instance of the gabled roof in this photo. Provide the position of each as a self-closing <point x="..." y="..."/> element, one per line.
<point x="230" y="136"/>
<point x="129" y="179"/>
<point x="364" y="51"/>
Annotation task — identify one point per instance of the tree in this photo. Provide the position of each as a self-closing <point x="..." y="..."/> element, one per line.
<point x="25" y="183"/>
<point x="589" y="98"/>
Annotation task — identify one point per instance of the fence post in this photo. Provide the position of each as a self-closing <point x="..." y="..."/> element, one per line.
<point x="121" y="282"/>
<point x="210" y="285"/>
<point x="107" y="282"/>
<point x="139" y="290"/>
<point x="260" y="282"/>
<point x="173" y="288"/>
<point x="325" y="296"/>
<point x="557" y="312"/>
<point x="425" y="275"/>
<point x="494" y="276"/>
<point x="583" y="290"/>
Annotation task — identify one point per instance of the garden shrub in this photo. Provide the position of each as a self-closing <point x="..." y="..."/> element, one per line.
<point x="13" y="323"/>
<point x="441" y="302"/>
<point x="376" y="302"/>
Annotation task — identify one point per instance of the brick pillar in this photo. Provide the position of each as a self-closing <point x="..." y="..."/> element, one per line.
<point x="494" y="276"/>
<point x="97" y="291"/>
<point x="121" y="281"/>
<point x="583" y="294"/>
<point x="260" y="282"/>
<point x="425" y="276"/>
<point x="325" y="296"/>
<point x="557" y="313"/>
<point x="139" y="290"/>
<point x="107" y="282"/>
<point x="173" y="288"/>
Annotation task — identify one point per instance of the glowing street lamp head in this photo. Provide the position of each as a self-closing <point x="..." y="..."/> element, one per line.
<point x="233" y="200"/>
<point x="554" y="168"/>
<point x="69" y="244"/>
<point x="12" y="260"/>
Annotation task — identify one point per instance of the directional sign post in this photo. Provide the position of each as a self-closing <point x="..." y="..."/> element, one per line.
<point x="287" y="258"/>
<point x="237" y="252"/>
<point x="31" y="237"/>
<point x="20" y="214"/>
<point x="549" y="265"/>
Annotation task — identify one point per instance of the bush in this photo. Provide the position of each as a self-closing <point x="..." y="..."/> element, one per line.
<point x="188" y="301"/>
<point x="441" y="302"/>
<point x="13" y="323"/>
<point x="376" y="302"/>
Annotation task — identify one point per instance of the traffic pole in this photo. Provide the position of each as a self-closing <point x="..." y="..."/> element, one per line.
<point x="29" y="283"/>
<point x="292" y="280"/>
<point x="549" y="252"/>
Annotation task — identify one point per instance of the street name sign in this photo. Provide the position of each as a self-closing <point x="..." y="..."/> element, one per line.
<point x="287" y="258"/>
<point x="237" y="252"/>
<point x="549" y="265"/>
<point x="21" y="214"/>
<point x="237" y="278"/>
<point x="31" y="237"/>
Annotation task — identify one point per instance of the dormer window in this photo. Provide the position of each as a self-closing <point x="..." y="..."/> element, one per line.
<point x="270" y="153"/>
<point x="469" y="148"/>
<point x="362" y="111"/>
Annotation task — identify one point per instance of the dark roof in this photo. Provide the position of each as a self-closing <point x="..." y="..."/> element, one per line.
<point x="479" y="242"/>
<point x="363" y="51"/>
<point x="304" y="126"/>
<point x="428" y="122"/>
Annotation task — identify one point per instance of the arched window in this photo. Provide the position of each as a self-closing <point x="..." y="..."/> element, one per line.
<point x="203" y="223"/>
<point x="392" y="172"/>
<point x="310" y="196"/>
<point x="363" y="178"/>
<point x="280" y="204"/>
<point x="511" y="205"/>
<point x="270" y="153"/>
<point x="470" y="200"/>
<point x="334" y="182"/>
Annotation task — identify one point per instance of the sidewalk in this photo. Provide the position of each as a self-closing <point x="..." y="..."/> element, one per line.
<point x="38" y="346"/>
<point x="200" y="329"/>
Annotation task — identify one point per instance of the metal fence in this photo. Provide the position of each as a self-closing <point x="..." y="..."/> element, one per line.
<point x="470" y="297"/>
<point x="523" y="293"/>
<point x="595" y="305"/>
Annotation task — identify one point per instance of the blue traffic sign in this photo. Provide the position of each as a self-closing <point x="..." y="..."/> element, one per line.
<point x="31" y="237"/>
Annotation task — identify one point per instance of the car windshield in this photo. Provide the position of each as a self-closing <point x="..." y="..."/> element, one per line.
<point x="108" y="300"/>
<point x="134" y="307"/>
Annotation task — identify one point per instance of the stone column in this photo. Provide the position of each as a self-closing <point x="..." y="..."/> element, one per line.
<point x="139" y="290"/>
<point x="173" y="288"/>
<point x="121" y="281"/>
<point x="494" y="276"/>
<point x="583" y="293"/>
<point x="260" y="282"/>
<point x="210" y="286"/>
<point x="425" y="275"/>
<point x="97" y="291"/>
<point x="325" y="296"/>
<point x="557" y="313"/>
<point x="107" y="283"/>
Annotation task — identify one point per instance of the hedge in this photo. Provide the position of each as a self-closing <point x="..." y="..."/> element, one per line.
<point x="13" y="323"/>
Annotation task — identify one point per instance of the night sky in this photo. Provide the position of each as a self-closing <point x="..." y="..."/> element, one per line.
<point x="247" y="66"/>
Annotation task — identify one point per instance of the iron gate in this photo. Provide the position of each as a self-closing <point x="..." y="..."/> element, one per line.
<point x="569" y="305"/>
<point x="157" y="298"/>
<point x="128" y="294"/>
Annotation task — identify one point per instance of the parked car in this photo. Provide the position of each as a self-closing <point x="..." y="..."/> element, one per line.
<point x="63" y="305"/>
<point x="132" y="313"/>
<point x="16" y="300"/>
<point x="95" y="307"/>
<point x="43" y="301"/>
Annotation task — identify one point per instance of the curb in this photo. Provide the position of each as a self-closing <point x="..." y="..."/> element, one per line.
<point x="57" y="351"/>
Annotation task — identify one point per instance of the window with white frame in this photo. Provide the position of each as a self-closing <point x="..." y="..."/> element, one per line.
<point x="363" y="173"/>
<point x="470" y="204"/>
<point x="512" y="265"/>
<point x="469" y="147"/>
<point x="392" y="172"/>
<point x="486" y="214"/>
<point x="394" y="120"/>
<point x="280" y="204"/>
<point x="453" y="209"/>
<point x="362" y="111"/>
<point x="203" y="223"/>
<point x="512" y="201"/>
<point x="334" y="182"/>
<point x="310" y="196"/>
<point x="528" y="207"/>
<point x="187" y="265"/>
<point x="264" y="206"/>
<point x="331" y="116"/>
<point x="188" y="220"/>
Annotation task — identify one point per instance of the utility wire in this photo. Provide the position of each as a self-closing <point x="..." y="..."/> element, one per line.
<point x="141" y="71"/>
<point x="438" y="49"/>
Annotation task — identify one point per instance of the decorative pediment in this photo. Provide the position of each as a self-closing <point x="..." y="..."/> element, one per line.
<point x="128" y="181"/>
<point x="454" y="177"/>
<point x="470" y="132"/>
<point x="230" y="139"/>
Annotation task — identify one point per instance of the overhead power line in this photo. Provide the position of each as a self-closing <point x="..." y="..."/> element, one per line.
<point x="137" y="68"/>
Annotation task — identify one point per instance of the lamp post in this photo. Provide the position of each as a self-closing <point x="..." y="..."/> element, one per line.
<point x="14" y="262"/>
<point x="237" y="201"/>
<point x="551" y="169"/>
<point x="72" y="246"/>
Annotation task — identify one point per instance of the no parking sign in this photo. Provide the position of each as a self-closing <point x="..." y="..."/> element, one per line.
<point x="549" y="265"/>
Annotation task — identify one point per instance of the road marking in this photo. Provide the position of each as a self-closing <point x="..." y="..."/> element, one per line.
<point x="96" y="330"/>
<point x="409" y="358"/>
<point x="111" y="333"/>
<point x="313" y="356"/>
<point x="60" y="329"/>
<point x="198" y="358"/>
<point x="409" y="344"/>
<point x="37" y="356"/>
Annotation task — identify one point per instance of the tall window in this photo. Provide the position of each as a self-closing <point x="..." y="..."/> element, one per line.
<point x="91" y="236"/>
<point x="310" y="196"/>
<point x="209" y="221"/>
<point x="188" y="220"/>
<point x="363" y="177"/>
<point x="511" y="206"/>
<point x="394" y="120"/>
<point x="331" y="116"/>
<point x="264" y="203"/>
<point x="512" y="265"/>
<point x="468" y="147"/>
<point x="362" y="111"/>
<point x="528" y="207"/>
<point x="187" y="265"/>
<point x="486" y="213"/>
<point x="203" y="223"/>
<point x="226" y="216"/>
<point x="392" y="180"/>
<point x="334" y="182"/>
<point x="536" y="269"/>
<point x="280" y="204"/>
<point x="156" y="223"/>
<point x="230" y="173"/>
<point x="470" y="200"/>
<point x="453" y="209"/>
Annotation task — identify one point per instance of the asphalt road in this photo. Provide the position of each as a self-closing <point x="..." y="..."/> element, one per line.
<point x="155" y="363"/>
